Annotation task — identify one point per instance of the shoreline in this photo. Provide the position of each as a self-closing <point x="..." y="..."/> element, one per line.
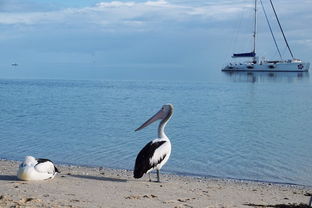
<point x="79" y="186"/>
<point x="178" y="174"/>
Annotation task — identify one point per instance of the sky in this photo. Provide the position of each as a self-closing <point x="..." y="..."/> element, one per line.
<point x="140" y="39"/>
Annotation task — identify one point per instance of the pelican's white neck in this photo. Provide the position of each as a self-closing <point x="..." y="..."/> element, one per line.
<point x="161" y="131"/>
<point x="161" y="127"/>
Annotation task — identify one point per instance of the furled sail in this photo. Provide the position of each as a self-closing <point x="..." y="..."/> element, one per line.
<point x="242" y="55"/>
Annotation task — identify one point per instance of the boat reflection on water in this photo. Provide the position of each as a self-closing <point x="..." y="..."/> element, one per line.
<point x="267" y="76"/>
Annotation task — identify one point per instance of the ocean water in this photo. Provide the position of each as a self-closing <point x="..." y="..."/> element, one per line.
<point x="245" y="126"/>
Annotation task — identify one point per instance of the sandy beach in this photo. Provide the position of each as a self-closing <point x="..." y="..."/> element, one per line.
<point x="97" y="187"/>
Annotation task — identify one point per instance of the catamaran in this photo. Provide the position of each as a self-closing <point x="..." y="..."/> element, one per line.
<point x="264" y="65"/>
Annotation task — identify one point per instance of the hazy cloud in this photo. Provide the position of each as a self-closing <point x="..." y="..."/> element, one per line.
<point x="118" y="12"/>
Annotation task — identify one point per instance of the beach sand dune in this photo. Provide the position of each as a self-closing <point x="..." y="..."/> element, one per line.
<point x="98" y="187"/>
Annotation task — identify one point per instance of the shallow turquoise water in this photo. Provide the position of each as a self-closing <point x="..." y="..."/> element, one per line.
<point x="241" y="126"/>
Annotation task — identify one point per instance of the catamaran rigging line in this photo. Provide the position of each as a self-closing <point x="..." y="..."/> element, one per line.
<point x="273" y="36"/>
<point x="292" y="56"/>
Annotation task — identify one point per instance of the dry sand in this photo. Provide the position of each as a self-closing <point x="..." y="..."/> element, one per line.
<point x="97" y="187"/>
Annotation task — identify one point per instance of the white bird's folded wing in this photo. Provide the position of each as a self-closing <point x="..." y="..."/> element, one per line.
<point x="45" y="167"/>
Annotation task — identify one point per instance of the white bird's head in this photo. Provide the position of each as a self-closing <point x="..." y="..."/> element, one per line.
<point x="29" y="161"/>
<point x="164" y="114"/>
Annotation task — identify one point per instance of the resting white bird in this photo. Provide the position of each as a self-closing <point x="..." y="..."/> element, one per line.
<point x="36" y="169"/>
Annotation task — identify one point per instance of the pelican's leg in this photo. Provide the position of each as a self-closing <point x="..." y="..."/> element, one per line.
<point x="149" y="176"/>
<point x="158" y="179"/>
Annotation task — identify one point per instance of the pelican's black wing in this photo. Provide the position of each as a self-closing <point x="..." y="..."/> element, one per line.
<point x="142" y="162"/>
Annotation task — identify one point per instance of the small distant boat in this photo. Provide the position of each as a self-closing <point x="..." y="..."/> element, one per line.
<point x="264" y="65"/>
<point x="14" y="64"/>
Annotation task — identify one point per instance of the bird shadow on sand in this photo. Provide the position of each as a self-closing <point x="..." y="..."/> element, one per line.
<point x="100" y="178"/>
<point x="8" y="178"/>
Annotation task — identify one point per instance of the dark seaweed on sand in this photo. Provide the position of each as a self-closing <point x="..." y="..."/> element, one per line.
<point x="280" y="205"/>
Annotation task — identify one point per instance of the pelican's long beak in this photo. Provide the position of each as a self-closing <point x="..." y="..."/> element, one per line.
<point x="159" y="115"/>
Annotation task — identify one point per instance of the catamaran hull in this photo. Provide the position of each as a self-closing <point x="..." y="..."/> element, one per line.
<point x="267" y="67"/>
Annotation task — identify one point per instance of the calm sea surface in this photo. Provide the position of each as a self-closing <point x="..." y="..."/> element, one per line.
<point x="254" y="127"/>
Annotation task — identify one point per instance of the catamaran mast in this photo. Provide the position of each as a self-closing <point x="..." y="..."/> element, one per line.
<point x="255" y="28"/>
<point x="251" y="54"/>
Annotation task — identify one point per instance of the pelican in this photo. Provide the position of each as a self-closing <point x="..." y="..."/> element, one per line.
<point x="36" y="169"/>
<point x="156" y="153"/>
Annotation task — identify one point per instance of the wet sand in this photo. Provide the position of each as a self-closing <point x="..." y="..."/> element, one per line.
<point x="97" y="187"/>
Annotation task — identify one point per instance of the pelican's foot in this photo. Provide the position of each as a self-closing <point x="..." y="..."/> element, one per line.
<point x="149" y="176"/>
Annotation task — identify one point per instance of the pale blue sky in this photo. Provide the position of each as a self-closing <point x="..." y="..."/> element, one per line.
<point x="137" y="39"/>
